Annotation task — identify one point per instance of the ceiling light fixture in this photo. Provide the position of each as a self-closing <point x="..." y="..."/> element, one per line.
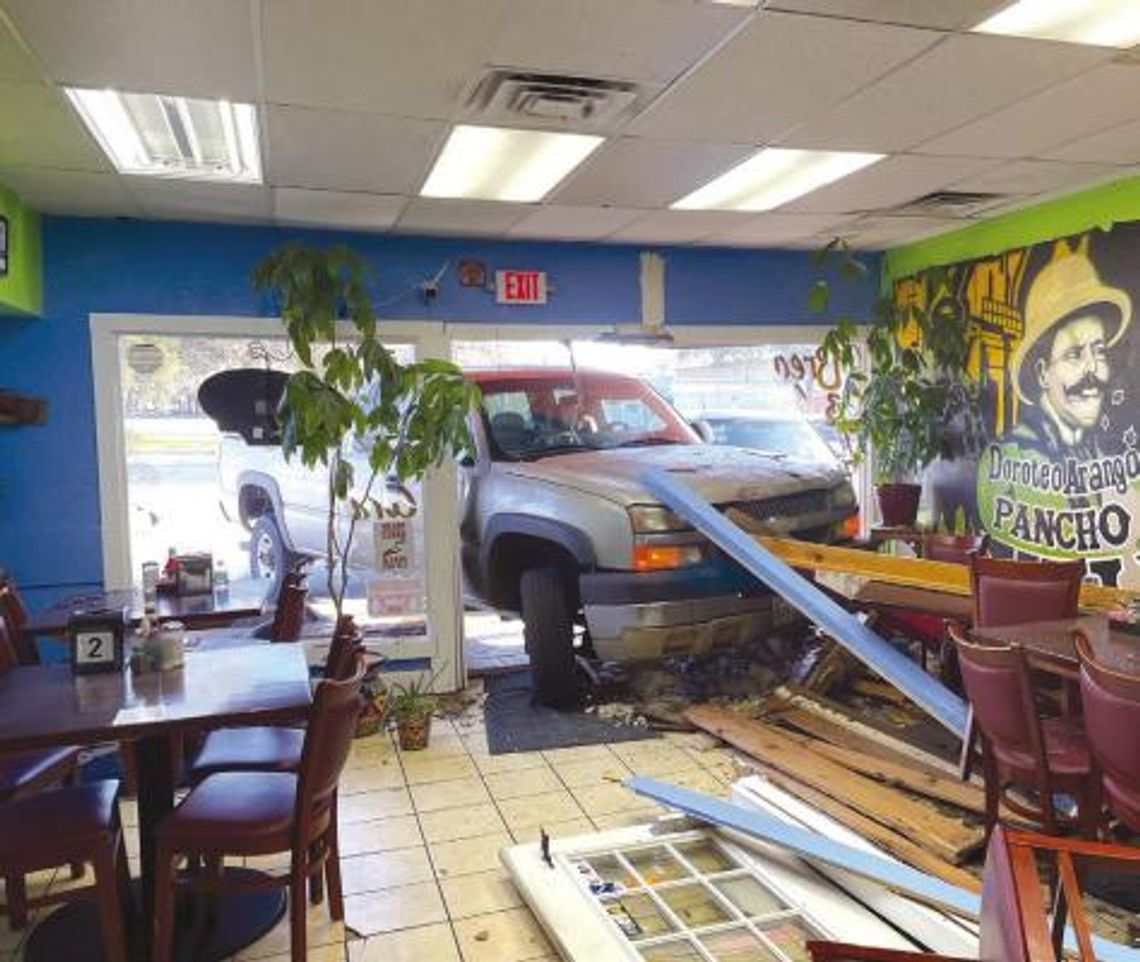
<point x="1100" y="23"/>
<point x="498" y="163"/>
<point x="773" y="177"/>
<point x="178" y="137"/>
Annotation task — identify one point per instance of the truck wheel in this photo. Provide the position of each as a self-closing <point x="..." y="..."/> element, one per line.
<point x="268" y="557"/>
<point x="549" y="630"/>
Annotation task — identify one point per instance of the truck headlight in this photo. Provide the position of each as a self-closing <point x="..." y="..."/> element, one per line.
<point x="655" y="519"/>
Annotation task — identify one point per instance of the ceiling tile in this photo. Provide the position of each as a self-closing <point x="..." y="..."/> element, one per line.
<point x="39" y="129"/>
<point x="1094" y="101"/>
<point x="781" y="230"/>
<point x="202" y="49"/>
<point x="556" y="222"/>
<point x="960" y="80"/>
<point x="475" y="218"/>
<point x="939" y="14"/>
<point x="636" y="172"/>
<point x="649" y="40"/>
<point x="678" y="226"/>
<point x="15" y="64"/>
<point x="408" y="57"/>
<point x="1120" y="145"/>
<point x="778" y="71"/>
<point x="889" y="183"/>
<point x="879" y="231"/>
<point x="330" y="208"/>
<point x="338" y="150"/>
<point x="80" y="193"/>
<point x="1035" y="177"/>
<point x="194" y="200"/>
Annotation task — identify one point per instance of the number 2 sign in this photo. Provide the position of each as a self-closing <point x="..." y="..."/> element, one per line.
<point x="96" y="641"/>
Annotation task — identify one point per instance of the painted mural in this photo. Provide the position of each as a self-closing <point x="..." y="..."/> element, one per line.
<point x="1058" y="354"/>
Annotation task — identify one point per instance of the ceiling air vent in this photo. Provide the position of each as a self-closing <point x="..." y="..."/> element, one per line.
<point x="515" y="97"/>
<point x="951" y="203"/>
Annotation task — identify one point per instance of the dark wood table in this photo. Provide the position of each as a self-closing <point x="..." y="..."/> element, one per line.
<point x="46" y="705"/>
<point x="1049" y="644"/>
<point x="243" y="599"/>
<point x="881" y="595"/>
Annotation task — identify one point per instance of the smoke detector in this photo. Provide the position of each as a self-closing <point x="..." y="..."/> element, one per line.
<point x="513" y="97"/>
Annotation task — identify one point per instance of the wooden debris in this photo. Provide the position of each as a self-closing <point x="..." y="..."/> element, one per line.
<point x="946" y="837"/>
<point x="880" y="690"/>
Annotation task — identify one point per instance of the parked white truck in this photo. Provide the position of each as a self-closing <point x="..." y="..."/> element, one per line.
<point x="556" y="526"/>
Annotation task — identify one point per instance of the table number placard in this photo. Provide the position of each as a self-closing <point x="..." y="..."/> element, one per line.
<point x="97" y="640"/>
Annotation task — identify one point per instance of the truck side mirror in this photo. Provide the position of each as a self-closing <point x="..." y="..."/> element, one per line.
<point x="704" y="430"/>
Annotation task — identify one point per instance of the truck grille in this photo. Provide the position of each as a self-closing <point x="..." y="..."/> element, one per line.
<point x="788" y="506"/>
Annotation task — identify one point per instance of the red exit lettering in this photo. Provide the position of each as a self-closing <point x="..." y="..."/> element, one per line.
<point x="520" y="287"/>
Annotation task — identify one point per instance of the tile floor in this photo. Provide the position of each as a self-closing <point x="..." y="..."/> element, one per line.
<point x="421" y="834"/>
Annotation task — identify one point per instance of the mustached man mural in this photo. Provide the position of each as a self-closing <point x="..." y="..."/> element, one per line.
<point x="1060" y="366"/>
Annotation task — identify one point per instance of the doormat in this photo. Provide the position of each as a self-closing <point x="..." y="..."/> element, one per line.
<point x="517" y="723"/>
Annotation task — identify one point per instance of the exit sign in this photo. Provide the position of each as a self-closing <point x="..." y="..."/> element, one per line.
<point x="520" y="287"/>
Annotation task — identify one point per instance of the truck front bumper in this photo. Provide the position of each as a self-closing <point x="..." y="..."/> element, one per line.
<point x="634" y="616"/>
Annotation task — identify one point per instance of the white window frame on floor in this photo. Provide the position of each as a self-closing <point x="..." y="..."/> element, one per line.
<point x="441" y="521"/>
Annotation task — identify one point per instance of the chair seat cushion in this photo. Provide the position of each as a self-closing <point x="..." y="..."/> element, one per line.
<point x="21" y="769"/>
<point x="260" y="749"/>
<point x="233" y="811"/>
<point x="70" y="818"/>
<point x="1065" y="746"/>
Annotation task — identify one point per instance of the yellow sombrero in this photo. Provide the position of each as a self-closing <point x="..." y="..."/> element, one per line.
<point x="1061" y="288"/>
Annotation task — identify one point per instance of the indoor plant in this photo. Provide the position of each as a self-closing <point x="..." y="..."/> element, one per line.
<point x="915" y="400"/>
<point x="411" y="706"/>
<point x="351" y="389"/>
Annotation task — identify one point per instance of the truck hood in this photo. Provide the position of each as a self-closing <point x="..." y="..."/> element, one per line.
<point x="719" y="474"/>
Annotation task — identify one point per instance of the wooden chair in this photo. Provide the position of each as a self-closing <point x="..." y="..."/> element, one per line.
<point x="952" y="548"/>
<point x="1111" y="702"/>
<point x="15" y="616"/>
<point x="1019" y="748"/>
<point x="1011" y="592"/>
<point x="77" y="823"/>
<point x="1014" y="925"/>
<point x="264" y="813"/>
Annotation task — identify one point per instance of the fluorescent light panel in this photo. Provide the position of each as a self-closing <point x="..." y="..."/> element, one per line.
<point x="773" y="177"/>
<point x="1100" y="23"/>
<point x="178" y="137"/>
<point x="497" y="163"/>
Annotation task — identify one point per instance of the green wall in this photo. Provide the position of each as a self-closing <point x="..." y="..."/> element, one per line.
<point x="21" y="289"/>
<point x="1099" y="207"/>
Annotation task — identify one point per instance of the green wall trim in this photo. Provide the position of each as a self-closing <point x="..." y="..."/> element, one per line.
<point x="22" y="288"/>
<point x="1100" y="207"/>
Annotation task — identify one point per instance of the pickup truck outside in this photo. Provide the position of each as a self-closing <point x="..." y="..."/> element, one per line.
<point x="557" y="528"/>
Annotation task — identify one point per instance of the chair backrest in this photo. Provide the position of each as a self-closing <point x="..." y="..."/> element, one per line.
<point x="15" y="616"/>
<point x="347" y="644"/>
<point x="328" y="738"/>
<point x="1001" y="935"/>
<point x="289" y="615"/>
<point x="953" y="548"/>
<point x="1111" y="704"/>
<point x="9" y="658"/>
<point x="997" y="683"/>
<point x="1007" y="592"/>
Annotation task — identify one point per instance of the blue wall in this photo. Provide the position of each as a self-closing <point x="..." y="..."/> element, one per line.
<point x="49" y="505"/>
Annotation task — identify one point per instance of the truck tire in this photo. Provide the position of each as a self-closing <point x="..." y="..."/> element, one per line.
<point x="268" y="556"/>
<point x="549" y="630"/>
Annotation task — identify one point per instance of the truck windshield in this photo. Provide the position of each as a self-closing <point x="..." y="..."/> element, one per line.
<point x="536" y="414"/>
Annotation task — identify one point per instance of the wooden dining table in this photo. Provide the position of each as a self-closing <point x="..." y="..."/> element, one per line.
<point x="223" y="685"/>
<point x="1049" y="644"/>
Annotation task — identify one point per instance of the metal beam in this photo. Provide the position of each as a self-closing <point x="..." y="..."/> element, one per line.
<point x="925" y="691"/>
<point x="887" y="872"/>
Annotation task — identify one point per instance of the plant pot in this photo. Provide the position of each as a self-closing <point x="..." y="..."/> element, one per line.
<point x="414" y="733"/>
<point x="898" y="504"/>
<point x="371" y="717"/>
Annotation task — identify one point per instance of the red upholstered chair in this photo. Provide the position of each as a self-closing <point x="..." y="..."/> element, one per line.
<point x="1111" y="704"/>
<point x="272" y="748"/>
<point x="78" y="823"/>
<point x="952" y="548"/>
<point x="264" y="813"/>
<point x="1019" y="748"/>
<point x="1012" y="592"/>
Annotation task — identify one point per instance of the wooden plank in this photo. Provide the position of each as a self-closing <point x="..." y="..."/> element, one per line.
<point x="868" y="828"/>
<point x="880" y="690"/>
<point x="947" y="837"/>
<point x="916" y="572"/>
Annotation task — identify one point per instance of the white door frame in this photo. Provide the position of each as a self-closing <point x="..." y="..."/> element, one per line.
<point x="441" y="515"/>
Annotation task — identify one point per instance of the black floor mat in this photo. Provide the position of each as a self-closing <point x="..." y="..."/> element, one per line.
<point x="515" y="723"/>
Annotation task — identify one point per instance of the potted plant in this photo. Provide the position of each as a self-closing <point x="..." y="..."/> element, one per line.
<point x="374" y="698"/>
<point x="411" y="706"/>
<point x="915" y="401"/>
<point x="350" y="389"/>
